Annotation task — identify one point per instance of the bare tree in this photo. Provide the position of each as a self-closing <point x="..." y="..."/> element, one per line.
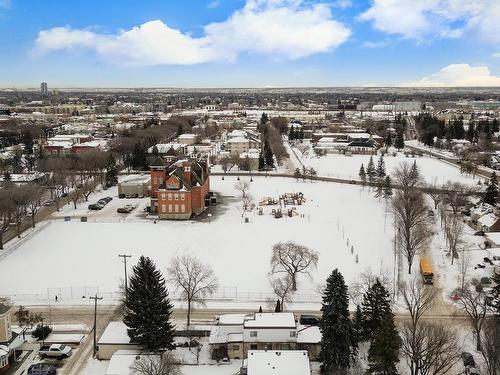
<point x="363" y="282"/>
<point x="453" y="229"/>
<point x="35" y="194"/>
<point x="243" y="187"/>
<point x="454" y="196"/>
<point x="6" y="212"/>
<point x="157" y="364"/>
<point x="434" y="193"/>
<point x="410" y="218"/>
<point x="194" y="279"/>
<point x="293" y="259"/>
<point x="475" y="305"/>
<point x="429" y="349"/>
<point x="464" y="264"/>
<point x="490" y="346"/>
<point x="418" y="299"/>
<point x="282" y="288"/>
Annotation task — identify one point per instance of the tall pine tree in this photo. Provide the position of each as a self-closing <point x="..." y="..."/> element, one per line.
<point x="147" y="308"/>
<point x="491" y="194"/>
<point x="375" y="306"/>
<point x="362" y="173"/>
<point x="338" y="344"/>
<point x="370" y="170"/>
<point x="399" y="143"/>
<point x="383" y="354"/>
<point x="381" y="167"/>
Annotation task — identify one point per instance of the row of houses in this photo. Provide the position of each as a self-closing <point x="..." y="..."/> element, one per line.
<point x="354" y="143"/>
<point x="72" y="144"/>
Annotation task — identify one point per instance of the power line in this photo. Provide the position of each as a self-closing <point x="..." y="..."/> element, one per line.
<point x="124" y="258"/>
<point x="95" y="298"/>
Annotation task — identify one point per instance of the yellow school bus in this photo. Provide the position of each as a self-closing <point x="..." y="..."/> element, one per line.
<point x="426" y="271"/>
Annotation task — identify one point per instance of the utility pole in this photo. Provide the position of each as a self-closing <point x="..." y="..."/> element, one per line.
<point x="95" y="298"/>
<point x="124" y="257"/>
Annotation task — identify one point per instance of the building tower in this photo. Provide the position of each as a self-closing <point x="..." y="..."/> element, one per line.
<point x="44" y="89"/>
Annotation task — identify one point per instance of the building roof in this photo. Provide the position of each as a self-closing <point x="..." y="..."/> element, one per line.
<point x="308" y="335"/>
<point x="367" y="143"/>
<point x="115" y="333"/>
<point x="488" y="220"/>
<point x="278" y="362"/>
<point x="231" y="319"/>
<point x="270" y="320"/>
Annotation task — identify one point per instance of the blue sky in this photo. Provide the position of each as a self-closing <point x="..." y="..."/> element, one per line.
<point x="249" y="43"/>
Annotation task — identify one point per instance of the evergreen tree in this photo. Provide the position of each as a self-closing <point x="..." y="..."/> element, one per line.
<point x="383" y="354"/>
<point x="375" y="306"/>
<point x="379" y="190"/>
<point x="400" y="140"/>
<point x="297" y="174"/>
<point x="362" y="173"/>
<point x="111" y="171"/>
<point x="292" y="134"/>
<point x="338" y="344"/>
<point x="268" y="155"/>
<point x="180" y="130"/>
<point x="370" y="170"/>
<point x="491" y="194"/>
<point x="388" y="140"/>
<point x="155" y="151"/>
<point x="494" y="125"/>
<point x="301" y="133"/>
<point x="387" y="187"/>
<point x="147" y="308"/>
<point x="262" y="163"/>
<point x="381" y="167"/>
<point x="414" y="172"/>
<point x="357" y="326"/>
<point x="470" y="132"/>
<point x="278" y="306"/>
<point x="27" y="140"/>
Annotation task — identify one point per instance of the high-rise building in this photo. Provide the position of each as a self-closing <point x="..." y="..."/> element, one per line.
<point x="44" y="89"/>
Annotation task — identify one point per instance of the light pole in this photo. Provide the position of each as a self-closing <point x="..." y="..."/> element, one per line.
<point x="124" y="257"/>
<point x="95" y="298"/>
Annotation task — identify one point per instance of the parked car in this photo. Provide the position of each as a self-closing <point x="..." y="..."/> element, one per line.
<point x="123" y="210"/>
<point x="64" y="195"/>
<point x="485" y="280"/>
<point x="106" y="199"/>
<point x="309" y="320"/>
<point x="479" y="233"/>
<point x="95" y="207"/>
<point x="41" y="369"/>
<point x="48" y="203"/>
<point x="121" y="195"/>
<point x="55" y="351"/>
<point x="468" y="359"/>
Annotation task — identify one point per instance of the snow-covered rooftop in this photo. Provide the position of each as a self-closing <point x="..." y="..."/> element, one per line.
<point x="279" y="362"/>
<point x="121" y="361"/>
<point x="231" y="319"/>
<point x="308" y="334"/>
<point x="275" y="320"/>
<point x="115" y="333"/>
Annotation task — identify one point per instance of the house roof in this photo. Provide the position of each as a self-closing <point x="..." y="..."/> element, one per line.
<point x="362" y="143"/>
<point x="308" y="335"/>
<point x="488" y="220"/>
<point x="270" y="320"/>
<point x="279" y="362"/>
<point x="115" y="333"/>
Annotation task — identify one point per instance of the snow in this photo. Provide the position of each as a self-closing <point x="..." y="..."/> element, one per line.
<point x="270" y="320"/>
<point x="231" y="319"/>
<point x="280" y="362"/>
<point x="115" y="333"/>
<point x="308" y="334"/>
<point x="341" y="166"/>
<point x="85" y="255"/>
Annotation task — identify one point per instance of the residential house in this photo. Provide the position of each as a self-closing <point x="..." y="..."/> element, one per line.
<point x="113" y="339"/>
<point x="179" y="188"/>
<point x="238" y="145"/>
<point x="10" y="342"/>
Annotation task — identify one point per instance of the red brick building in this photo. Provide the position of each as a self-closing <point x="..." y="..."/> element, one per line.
<point x="178" y="188"/>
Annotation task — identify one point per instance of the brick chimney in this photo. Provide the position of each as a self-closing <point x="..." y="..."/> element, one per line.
<point x="186" y="171"/>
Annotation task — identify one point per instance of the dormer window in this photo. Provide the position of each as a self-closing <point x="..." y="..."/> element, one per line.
<point x="187" y="169"/>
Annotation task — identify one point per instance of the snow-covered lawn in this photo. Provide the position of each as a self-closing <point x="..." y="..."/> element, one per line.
<point x="333" y="165"/>
<point x="335" y="218"/>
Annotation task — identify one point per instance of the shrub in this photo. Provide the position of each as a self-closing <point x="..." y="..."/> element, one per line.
<point x="41" y="332"/>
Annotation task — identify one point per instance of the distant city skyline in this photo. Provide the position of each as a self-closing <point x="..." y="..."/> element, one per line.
<point x="249" y="43"/>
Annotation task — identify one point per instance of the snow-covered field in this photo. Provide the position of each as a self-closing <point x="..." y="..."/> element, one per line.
<point x="433" y="170"/>
<point x="335" y="217"/>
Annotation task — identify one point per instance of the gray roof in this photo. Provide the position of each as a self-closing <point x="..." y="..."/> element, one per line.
<point x="4" y="308"/>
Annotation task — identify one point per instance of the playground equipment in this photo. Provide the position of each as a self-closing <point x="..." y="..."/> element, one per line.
<point x="268" y="202"/>
<point x="292" y="199"/>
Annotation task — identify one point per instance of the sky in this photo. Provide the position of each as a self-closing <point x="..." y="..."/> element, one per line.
<point x="249" y="43"/>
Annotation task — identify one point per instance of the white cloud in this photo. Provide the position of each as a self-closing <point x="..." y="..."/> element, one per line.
<point x="5" y="4"/>
<point x="420" y="19"/>
<point x="460" y="75"/>
<point x="497" y="55"/>
<point x="213" y="4"/>
<point x="343" y="4"/>
<point x="281" y="28"/>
